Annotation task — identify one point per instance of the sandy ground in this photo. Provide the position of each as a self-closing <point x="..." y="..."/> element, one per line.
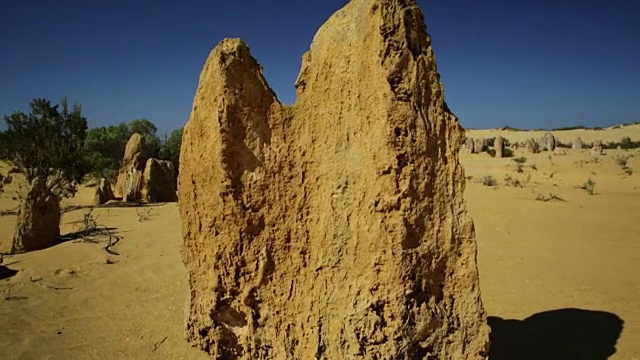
<point x="560" y="279"/>
<point x="613" y="134"/>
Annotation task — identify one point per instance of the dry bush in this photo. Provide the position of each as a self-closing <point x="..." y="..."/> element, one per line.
<point x="89" y="230"/>
<point x="589" y="186"/>
<point x="489" y="180"/>
<point x="510" y="181"/>
<point x="622" y="161"/>
<point x="144" y="214"/>
<point x="520" y="161"/>
<point x="549" y="197"/>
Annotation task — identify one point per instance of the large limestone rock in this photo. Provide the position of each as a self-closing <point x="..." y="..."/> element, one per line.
<point x="38" y="223"/>
<point x="159" y="182"/>
<point x="498" y="146"/>
<point x="335" y="228"/>
<point x="133" y="163"/>
<point x="103" y="193"/>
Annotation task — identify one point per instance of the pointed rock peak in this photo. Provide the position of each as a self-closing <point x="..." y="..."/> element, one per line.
<point x="334" y="228"/>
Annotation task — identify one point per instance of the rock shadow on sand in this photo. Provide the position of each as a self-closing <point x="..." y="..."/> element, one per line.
<point x="6" y="273"/>
<point x="555" y="335"/>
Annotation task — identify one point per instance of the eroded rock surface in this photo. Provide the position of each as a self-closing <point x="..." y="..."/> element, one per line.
<point x="159" y="182"/>
<point x="548" y="142"/>
<point x="498" y="146"/>
<point x="479" y="145"/>
<point x="532" y="146"/>
<point x="597" y="148"/>
<point x="335" y="228"/>
<point x="38" y="220"/>
<point x="133" y="163"/>
<point x="103" y="193"/>
<point x="470" y="145"/>
<point x="577" y="143"/>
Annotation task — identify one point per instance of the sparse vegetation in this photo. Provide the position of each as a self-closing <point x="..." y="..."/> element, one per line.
<point x="589" y="186"/>
<point x="144" y="214"/>
<point x="520" y="161"/>
<point x="105" y="146"/>
<point x="622" y="161"/>
<point x="549" y="197"/>
<point x="507" y="152"/>
<point x="48" y="143"/>
<point x="625" y="143"/>
<point x="489" y="180"/>
<point x="170" y="149"/>
<point x="510" y="181"/>
<point x="88" y="230"/>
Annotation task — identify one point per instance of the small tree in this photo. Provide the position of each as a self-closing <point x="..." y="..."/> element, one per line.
<point x="170" y="149"/>
<point x="589" y="186"/>
<point x="47" y="147"/>
<point x="519" y="163"/>
<point x="48" y="143"/>
<point x="104" y="147"/>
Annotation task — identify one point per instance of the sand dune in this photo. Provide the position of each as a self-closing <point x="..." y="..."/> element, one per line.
<point x="538" y="260"/>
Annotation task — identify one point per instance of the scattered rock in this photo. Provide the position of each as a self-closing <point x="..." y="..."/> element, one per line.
<point x="159" y="182"/>
<point x="596" y="149"/>
<point x="135" y="158"/>
<point x="336" y="226"/>
<point x="498" y="146"/>
<point x="135" y="153"/>
<point x="559" y="151"/>
<point x="470" y="145"/>
<point x="577" y="144"/>
<point x="532" y="146"/>
<point x="548" y="142"/>
<point x="103" y="193"/>
<point x="132" y="186"/>
<point x="38" y="221"/>
<point x="479" y="145"/>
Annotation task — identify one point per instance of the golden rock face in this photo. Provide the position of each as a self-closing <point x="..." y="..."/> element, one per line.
<point x="336" y="227"/>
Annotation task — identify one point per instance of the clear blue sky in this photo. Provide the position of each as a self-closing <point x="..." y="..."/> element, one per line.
<point x="520" y="63"/>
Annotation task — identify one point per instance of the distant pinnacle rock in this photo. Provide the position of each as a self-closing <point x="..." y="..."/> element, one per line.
<point x="532" y="146"/>
<point x="335" y="228"/>
<point x="597" y="148"/>
<point x="498" y="146"/>
<point x="577" y="143"/>
<point x="133" y="163"/>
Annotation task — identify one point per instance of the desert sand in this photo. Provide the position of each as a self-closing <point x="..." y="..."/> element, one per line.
<point x="536" y="258"/>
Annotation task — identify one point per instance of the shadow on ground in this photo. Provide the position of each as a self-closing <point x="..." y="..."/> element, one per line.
<point x="6" y="273"/>
<point x="557" y="334"/>
<point x="88" y="234"/>
<point x="112" y="204"/>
